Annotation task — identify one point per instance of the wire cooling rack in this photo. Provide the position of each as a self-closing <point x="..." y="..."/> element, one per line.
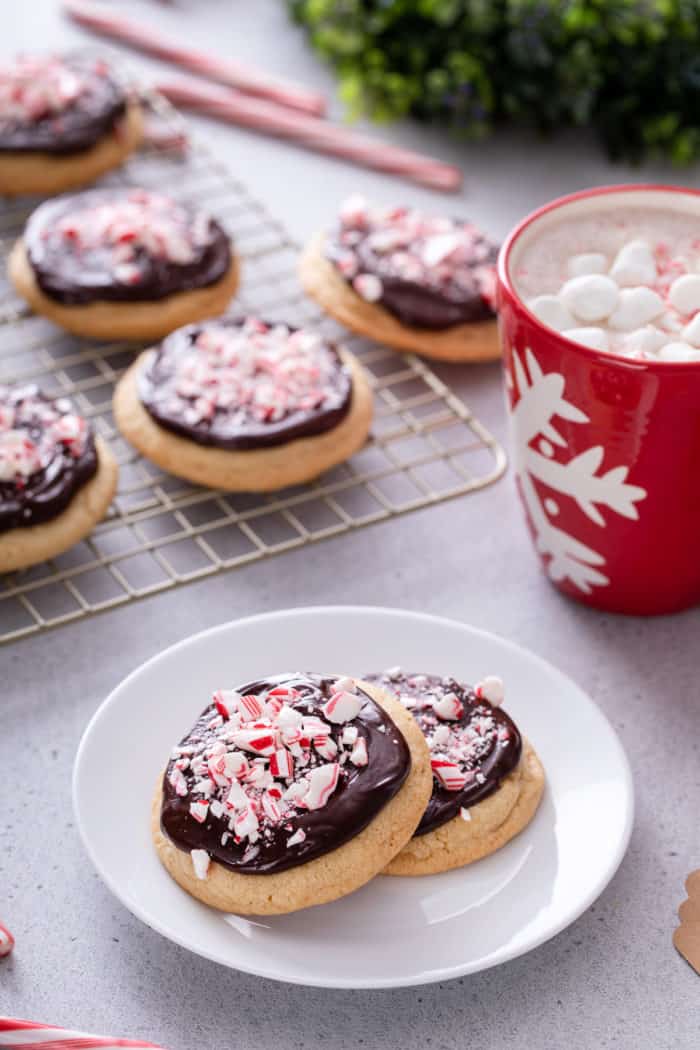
<point x="161" y="532"/>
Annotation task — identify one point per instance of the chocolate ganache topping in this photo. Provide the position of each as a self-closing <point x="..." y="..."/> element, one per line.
<point x="47" y="453"/>
<point x="473" y="743"/>
<point x="123" y="245"/>
<point x="58" y="105"/>
<point x="280" y="771"/>
<point x="245" y="384"/>
<point x="428" y="272"/>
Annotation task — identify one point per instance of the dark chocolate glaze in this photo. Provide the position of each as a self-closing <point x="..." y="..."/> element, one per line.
<point x="359" y="797"/>
<point x="46" y="493"/>
<point x="495" y="761"/>
<point x="96" y="112"/>
<point x="232" y="428"/>
<point x="420" y="305"/>
<point x="76" y="276"/>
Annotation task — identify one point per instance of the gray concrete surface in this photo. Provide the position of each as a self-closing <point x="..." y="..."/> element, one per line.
<point x="611" y="980"/>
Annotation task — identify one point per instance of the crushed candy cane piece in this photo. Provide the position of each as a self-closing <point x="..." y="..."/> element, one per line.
<point x="200" y="862"/>
<point x="342" y="707"/>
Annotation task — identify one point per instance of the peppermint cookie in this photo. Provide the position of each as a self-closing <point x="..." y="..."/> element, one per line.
<point x="244" y="405"/>
<point x="487" y="780"/>
<point x="123" y="264"/>
<point x="63" y="122"/>
<point x="56" y="478"/>
<point x="409" y="280"/>
<point x="290" y="791"/>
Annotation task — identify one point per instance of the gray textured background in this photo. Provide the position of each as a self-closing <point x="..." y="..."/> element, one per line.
<point x="611" y="980"/>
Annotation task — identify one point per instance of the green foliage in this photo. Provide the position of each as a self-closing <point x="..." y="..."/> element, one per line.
<point x="629" y="68"/>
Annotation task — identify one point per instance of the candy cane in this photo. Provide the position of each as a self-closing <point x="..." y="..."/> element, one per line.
<point x="30" y="1035"/>
<point x="236" y="108"/>
<point x="7" y="941"/>
<point x="148" y="40"/>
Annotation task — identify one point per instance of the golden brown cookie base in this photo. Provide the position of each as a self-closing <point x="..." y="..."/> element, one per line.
<point x="50" y="173"/>
<point x="328" y="877"/>
<point x="135" y="322"/>
<point x="495" y="821"/>
<point x="22" y="547"/>
<point x="254" y="470"/>
<point x="464" y="342"/>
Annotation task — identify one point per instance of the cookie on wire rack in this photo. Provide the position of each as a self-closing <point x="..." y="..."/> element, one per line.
<point x="412" y="281"/>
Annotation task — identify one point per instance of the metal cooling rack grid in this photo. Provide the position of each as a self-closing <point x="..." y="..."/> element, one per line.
<point x="162" y="532"/>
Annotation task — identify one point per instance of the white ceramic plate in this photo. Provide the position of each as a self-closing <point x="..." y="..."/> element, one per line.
<point x="394" y="931"/>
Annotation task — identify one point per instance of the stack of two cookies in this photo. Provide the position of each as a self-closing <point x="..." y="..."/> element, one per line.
<point x="297" y="789"/>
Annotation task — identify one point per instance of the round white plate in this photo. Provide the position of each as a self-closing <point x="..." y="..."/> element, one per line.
<point x="394" y="931"/>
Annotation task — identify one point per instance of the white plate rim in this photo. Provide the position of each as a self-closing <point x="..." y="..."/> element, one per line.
<point x="434" y="975"/>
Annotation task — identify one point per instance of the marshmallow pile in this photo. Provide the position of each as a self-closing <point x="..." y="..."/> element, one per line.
<point x="263" y="759"/>
<point x="445" y="255"/>
<point x="642" y="304"/>
<point x="34" y="430"/>
<point x="457" y="745"/>
<point x="129" y="225"/>
<point x="252" y="372"/>
<point x="32" y="88"/>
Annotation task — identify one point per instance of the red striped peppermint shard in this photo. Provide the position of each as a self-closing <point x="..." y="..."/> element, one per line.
<point x="322" y="782"/>
<point x="32" y="1035"/>
<point x="449" y="775"/>
<point x="7" y="941"/>
<point x="226" y="702"/>
<point x="343" y="706"/>
<point x="490" y="689"/>
<point x="449" y="707"/>
<point x="260" y="741"/>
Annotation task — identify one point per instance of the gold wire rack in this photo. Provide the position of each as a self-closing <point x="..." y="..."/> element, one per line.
<point x="161" y="532"/>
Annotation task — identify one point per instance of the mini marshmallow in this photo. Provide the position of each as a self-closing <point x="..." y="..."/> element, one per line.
<point x="591" y="297"/>
<point x="634" y="264"/>
<point x="646" y="340"/>
<point x="679" y="352"/>
<point x="588" y="262"/>
<point x="670" y="322"/>
<point x="684" y="293"/>
<point x="691" y="332"/>
<point x="552" y="312"/>
<point x="200" y="862"/>
<point x="636" y="307"/>
<point x="595" y="338"/>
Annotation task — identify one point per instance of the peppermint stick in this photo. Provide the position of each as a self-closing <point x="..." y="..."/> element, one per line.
<point x="261" y="115"/>
<point x="235" y="74"/>
<point x="30" y="1035"/>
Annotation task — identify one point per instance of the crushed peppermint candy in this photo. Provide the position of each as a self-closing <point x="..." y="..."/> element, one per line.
<point x="125" y="226"/>
<point x="34" y="87"/>
<point x="223" y="380"/>
<point x="473" y="743"/>
<point x="381" y="251"/>
<point x="35" y="430"/>
<point x="245" y="785"/>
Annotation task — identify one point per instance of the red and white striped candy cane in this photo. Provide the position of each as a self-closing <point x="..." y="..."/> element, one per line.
<point x="7" y="941"/>
<point x="142" y="38"/>
<point x="312" y="132"/>
<point x="31" y="1035"/>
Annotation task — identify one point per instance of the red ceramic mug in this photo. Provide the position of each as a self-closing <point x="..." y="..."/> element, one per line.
<point x="606" y="449"/>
